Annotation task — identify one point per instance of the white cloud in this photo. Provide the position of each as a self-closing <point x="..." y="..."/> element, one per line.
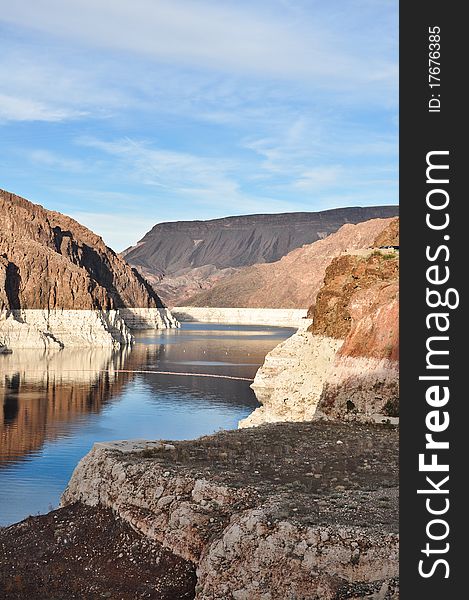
<point x="228" y="107"/>
<point x="15" y="108"/>
<point x="41" y="85"/>
<point x="291" y="164"/>
<point x="173" y="171"/>
<point x="202" y="184"/>
<point x="227" y="36"/>
<point x="223" y="63"/>
<point x="318" y="178"/>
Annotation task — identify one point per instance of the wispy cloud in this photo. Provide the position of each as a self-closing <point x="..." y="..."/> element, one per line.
<point x="175" y="109"/>
<point x="15" y="108"/>
<point x="51" y="160"/>
<point x="205" y="181"/>
<point x="52" y="86"/>
<point x="166" y="169"/>
<point x="239" y="37"/>
<point x="318" y="178"/>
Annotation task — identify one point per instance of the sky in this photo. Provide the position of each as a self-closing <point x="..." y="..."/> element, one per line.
<point x="126" y="113"/>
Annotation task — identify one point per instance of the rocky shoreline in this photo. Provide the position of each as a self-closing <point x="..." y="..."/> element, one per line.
<point x="344" y="366"/>
<point x="83" y="553"/>
<point x="64" y="328"/>
<point x="273" y="317"/>
<point x="61" y="286"/>
<point x="284" y="511"/>
<point x="290" y="382"/>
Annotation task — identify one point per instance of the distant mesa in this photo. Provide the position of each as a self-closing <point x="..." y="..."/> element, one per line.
<point x="184" y="258"/>
<point x="60" y="285"/>
<point x="294" y="280"/>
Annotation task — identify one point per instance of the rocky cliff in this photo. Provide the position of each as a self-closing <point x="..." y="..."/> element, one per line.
<point x="294" y="280"/>
<point x="345" y="366"/>
<point x="184" y="257"/>
<point x="360" y="305"/>
<point x="50" y="264"/>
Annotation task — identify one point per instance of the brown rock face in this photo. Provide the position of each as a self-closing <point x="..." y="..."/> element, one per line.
<point x="359" y="303"/>
<point x="49" y="261"/>
<point x="390" y="236"/>
<point x="241" y="240"/>
<point x="184" y="258"/>
<point x="345" y="366"/>
<point x="294" y="280"/>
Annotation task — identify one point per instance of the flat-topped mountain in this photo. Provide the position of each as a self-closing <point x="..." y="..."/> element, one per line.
<point x="61" y="285"/>
<point x="183" y="257"/>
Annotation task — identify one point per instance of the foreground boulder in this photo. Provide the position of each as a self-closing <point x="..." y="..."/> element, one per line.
<point x="289" y="511"/>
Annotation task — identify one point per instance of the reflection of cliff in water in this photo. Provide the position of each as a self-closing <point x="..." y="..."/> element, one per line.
<point x="44" y="391"/>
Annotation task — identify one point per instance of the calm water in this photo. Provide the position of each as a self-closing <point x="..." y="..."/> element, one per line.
<point x="57" y="404"/>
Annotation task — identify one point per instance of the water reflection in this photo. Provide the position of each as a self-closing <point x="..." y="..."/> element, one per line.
<point x="57" y="404"/>
<point x="43" y="391"/>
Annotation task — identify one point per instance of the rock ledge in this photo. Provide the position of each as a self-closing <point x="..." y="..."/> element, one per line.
<point x="293" y="510"/>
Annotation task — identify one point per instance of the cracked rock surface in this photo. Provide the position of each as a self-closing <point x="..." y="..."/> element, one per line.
<point x="283" y="511"/>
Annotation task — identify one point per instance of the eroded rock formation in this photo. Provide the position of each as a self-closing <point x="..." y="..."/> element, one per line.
<point x="360" y="305"/>
<point x="345" y="366"/>
<point x="50" y="264"/>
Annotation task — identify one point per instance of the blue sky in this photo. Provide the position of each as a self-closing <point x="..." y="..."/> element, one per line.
<point x="126" y="113"/>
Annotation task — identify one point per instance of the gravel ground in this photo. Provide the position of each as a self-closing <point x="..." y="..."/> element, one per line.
<point x="314" y="472"/>
<point x="82" y="553"/>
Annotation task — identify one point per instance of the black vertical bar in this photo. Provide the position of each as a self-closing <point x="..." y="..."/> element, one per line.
<point x="423" y="131"/>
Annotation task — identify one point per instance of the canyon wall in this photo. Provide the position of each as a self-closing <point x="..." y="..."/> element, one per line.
<point x="51" y="269"/>
<point x="276" y="317"/>
<point x="345" y="366"/>
<point x="360" y="305"/>
<point x="60" y="328"/>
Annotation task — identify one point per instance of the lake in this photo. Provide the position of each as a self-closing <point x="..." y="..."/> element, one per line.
<point x="56" y="404"/>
